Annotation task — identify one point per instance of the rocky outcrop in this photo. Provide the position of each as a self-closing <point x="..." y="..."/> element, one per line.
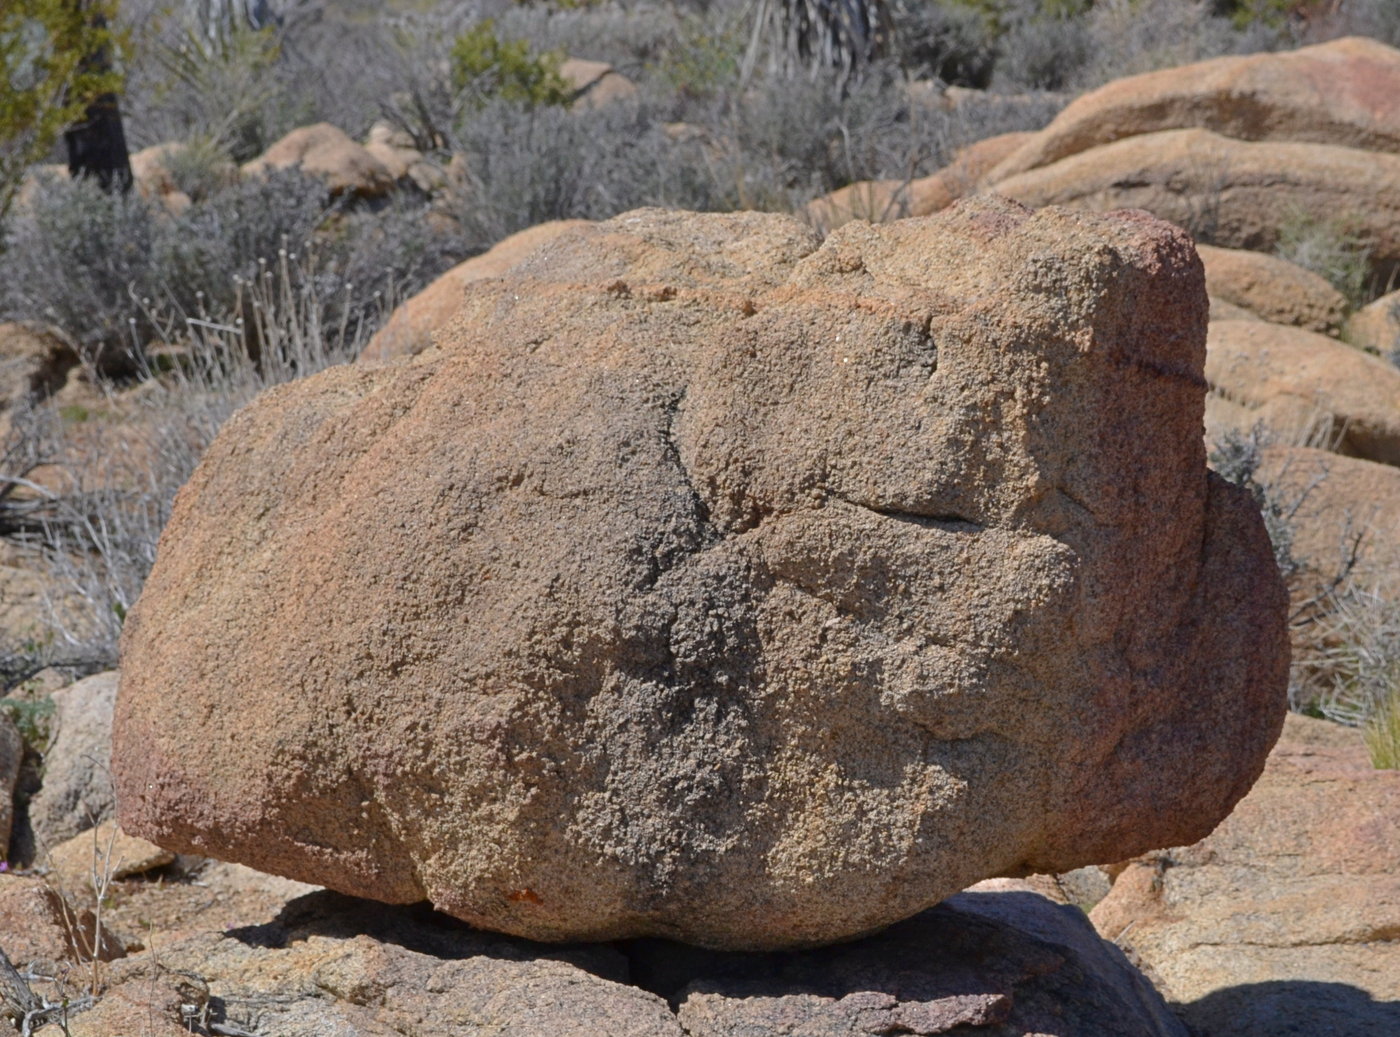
<point x="77" y="790"/>
<point x="410" y="327"/>
<point x="1344" y="93"/>
<point x="1302" y="385"/>
<point x="710" y="584"/>
<point x="1272" y="289"/>
<point x="881" y="200"/>
<point x="996" y="962"/>
<point x="327" y="153"/>
<point x="1228" y="192"/>
<point x="1283" y="920"/>
<point x="1337" y="507"/>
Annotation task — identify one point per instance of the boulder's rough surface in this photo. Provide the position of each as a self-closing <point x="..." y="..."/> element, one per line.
<point x="1304" y="385"/>
<point x="1283" y="921"/>
<point x="77" y="789"/>
<point x="1345" y="92"/>
<point x="1376" y="327"/>
<point x="709" y="584"/>
<point x="1229" y="192"/>
<point x="1005" y="961"/>
<point x="410" y="327"/>
<point x="881" y="200"/>
<point x="1272" y="289"/>
<point x="329" y="154"/>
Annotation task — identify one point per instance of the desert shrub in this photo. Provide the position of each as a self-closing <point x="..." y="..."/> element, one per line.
<point x="1329" y="247"/>
<point x="44" y="84"/>
<point x="1048" y="52"/>
<point x="954" y="43"/>
<point x="526" y="165"/>
<point x="484" y="66"/>
<point x="103" y="267"/>
<point x="94" y="544"/>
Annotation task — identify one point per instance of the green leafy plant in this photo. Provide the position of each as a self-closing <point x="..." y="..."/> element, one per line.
<point x="488" y="67"/>
<point x="46" y="80"/>
<point x="1383" y="734"/>
<point x="32" y="719"/>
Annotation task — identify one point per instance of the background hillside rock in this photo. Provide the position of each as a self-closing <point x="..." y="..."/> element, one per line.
<point x="1283" y="920"/>
<point x="1345" y="92"/>
<point x="881" y="200"/>
<point x="1296" y="382"/>
<point x="1229" y="192"/>
<point x="1272" y="289"/>
<point x="704" y="583"/>
<point x="1331" y="498"/>
<point x="329" y="154"/>
<point x="1376" y="327"/>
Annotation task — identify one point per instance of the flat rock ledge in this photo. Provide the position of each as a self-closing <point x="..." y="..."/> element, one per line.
<point x="709" y="583"/>
<point x="1005" y="963"/>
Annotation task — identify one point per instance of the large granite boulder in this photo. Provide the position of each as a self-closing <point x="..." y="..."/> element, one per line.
<point x="702" y="582"/>
<point x="1345" y="92"/>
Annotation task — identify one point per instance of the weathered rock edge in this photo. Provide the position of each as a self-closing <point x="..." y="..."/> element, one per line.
<point x="708" y="584"/>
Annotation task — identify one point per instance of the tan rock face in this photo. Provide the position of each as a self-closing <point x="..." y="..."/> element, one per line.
<point x="1304" y="939"/>
<point x="1345" y="92"/>
<point x="1228" y="192"/>
<point x="710" y="584"/>
<point x="410" y="327"/>
<point x="1272" y="289"/>
<point x="1301" y="385"/>
<point x="326" y="152"/>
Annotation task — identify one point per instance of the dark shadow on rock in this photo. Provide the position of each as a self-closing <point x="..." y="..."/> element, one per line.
<point x="1292" y="1008"/>
<point x="1004" y="962"/>
<point x="417" y="927"/>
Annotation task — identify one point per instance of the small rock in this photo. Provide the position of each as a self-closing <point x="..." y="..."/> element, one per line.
<point x="38" y="924"/>
<point x="326" y="152"/>
<point x="102" y="854"/>
<point x="1283" y="920"/>
<point x="77" y="789"/>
